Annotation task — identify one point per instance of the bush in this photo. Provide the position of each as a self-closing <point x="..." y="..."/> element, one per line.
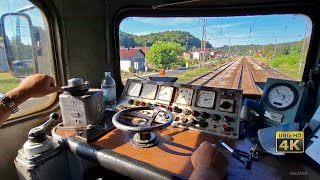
<point x="131" y="69"/>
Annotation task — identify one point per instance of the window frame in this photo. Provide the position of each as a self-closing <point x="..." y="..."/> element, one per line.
<point x="47" y="10"/>
<point x="306" y="9"/>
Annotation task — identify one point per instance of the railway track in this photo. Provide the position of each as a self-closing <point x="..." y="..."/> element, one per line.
<point x="241" y="73"/>
<point x="246" y="79"/>
<point x="207" y="77"/>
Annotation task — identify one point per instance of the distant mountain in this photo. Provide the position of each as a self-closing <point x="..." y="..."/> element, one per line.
<point x="187" y="40"/>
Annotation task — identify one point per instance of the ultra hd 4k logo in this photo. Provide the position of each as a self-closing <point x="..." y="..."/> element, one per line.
<point x="290" y="141"/>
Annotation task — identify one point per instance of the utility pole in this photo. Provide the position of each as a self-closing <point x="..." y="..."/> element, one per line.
<point x="275" y="49"/>
<point x="145" y="57"/>
<point x="304" y="43"/>
<point x="229" y="47"/>
<point x="203" y="42"/>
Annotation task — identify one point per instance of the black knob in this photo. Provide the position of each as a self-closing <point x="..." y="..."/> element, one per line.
<point x="184" y="120"/>
<point x="177" y="119"/>
<point x="227" y="118"/>
<point x="131" y="101"/>
<point x="176" y="109"/>
<point x="193" y="121"/>
<point x="203" y="123"/>
<point x="195" y="113"/>
<point x="214" y="126"/>
<point x="216" y="117"/>
<point x="204" y="115"/>
<point x="54" y="115"/>
<point x="225" y="105"/>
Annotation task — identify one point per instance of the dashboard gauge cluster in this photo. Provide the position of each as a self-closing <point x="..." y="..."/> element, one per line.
<point x="205" y="109"/>
<point x="280" y="101"/>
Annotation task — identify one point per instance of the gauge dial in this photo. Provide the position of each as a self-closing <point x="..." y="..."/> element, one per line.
<point x="281" y="96"/>
<point x="184" y="96"/>
<point x="149" y="91"/>
<point x="134" y="89"/>
<point x="205" y="99"/>
<point x="165" y="93"/>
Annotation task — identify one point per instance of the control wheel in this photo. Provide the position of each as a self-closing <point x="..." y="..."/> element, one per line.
<point x="132" y="121"/>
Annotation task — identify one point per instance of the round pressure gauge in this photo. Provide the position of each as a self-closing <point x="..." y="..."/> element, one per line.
<point x="281" y="96"/>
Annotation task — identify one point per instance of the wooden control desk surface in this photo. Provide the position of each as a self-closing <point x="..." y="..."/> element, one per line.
<point x="176" y="146"/>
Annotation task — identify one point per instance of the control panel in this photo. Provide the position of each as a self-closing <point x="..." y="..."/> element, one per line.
<point x="205" y="109"/>
<point x="281" y="101"/>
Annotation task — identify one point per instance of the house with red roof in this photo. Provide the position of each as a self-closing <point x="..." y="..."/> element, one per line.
<point x="197" y="52"/>
<point x="131" y="58"/>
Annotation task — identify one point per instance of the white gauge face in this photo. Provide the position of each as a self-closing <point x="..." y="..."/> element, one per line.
<point x="184" y="96"/>
<point x="149" y="91"/>
<point x="281" y="97"/>
<point x="134" y="89"/>
<point x="206" y="99"/>
<point x="165" y="93"/>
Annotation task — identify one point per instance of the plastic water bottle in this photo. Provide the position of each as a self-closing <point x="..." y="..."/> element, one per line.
<point x="108" y="87"/>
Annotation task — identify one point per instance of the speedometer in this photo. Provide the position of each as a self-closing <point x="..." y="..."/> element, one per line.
<point x="281" y="96"/>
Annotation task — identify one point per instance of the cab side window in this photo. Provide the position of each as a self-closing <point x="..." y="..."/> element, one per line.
<point x="24" y="50"/>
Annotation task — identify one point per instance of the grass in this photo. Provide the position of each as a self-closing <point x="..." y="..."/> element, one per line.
<point x="7" y="82"/>
<point x="191" y="74"/>
<point x="284" y="64"/>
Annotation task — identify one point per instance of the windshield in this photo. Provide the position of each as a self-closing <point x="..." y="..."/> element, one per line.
<point x="238" y="52"/>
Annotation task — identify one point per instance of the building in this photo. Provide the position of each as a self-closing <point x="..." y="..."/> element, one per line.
<point x="131" y="58"/>
<point x="216" y="54"/>
<point x="3" y="59"/>
<point x="197" y="52"/>
<point x="187" y="55"/>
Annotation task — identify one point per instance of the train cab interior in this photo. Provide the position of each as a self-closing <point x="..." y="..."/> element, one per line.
<point x="241" y="74"/>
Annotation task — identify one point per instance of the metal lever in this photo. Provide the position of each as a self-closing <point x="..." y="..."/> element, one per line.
<point x="236" y="155"/>
<point x="38" y="134"/>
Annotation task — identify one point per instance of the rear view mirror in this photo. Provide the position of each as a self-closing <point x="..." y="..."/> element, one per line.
<point x="19" y="44"/>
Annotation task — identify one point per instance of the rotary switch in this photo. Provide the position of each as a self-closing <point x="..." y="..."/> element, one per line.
<point x="225" y="105"/>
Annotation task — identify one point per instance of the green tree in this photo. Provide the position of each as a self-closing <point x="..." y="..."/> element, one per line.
<point x="126" y="40"/>
<point x="184" y="38"/>
<point x="164" y="54"/>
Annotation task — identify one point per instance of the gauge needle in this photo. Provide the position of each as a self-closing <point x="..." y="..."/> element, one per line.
<point x="207" y="99"/>
<point x="277" y="91"/>
<point x="164" y="94"/>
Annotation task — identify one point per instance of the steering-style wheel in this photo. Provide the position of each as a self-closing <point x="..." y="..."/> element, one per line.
<point x="142" y="125"/>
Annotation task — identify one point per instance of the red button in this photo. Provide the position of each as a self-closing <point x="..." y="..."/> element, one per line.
<point x="225" y="127"/>
<point x="162" y="105"/>
<point x="142" y="103"/>
<point x="169" y="108"/>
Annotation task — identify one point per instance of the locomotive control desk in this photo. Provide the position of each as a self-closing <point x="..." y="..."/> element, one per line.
<point x="172" y="155"/>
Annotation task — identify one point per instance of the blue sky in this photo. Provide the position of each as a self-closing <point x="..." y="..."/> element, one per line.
<point x="7" y="6"/>
<point x="239" y="30"/>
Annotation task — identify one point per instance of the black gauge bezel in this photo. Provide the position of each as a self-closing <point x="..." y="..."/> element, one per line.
<point x="294" y="102"/>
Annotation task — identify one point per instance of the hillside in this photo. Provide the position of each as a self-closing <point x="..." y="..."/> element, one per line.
<point x="184" y="38"/>
<point x="266" y="50"/>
